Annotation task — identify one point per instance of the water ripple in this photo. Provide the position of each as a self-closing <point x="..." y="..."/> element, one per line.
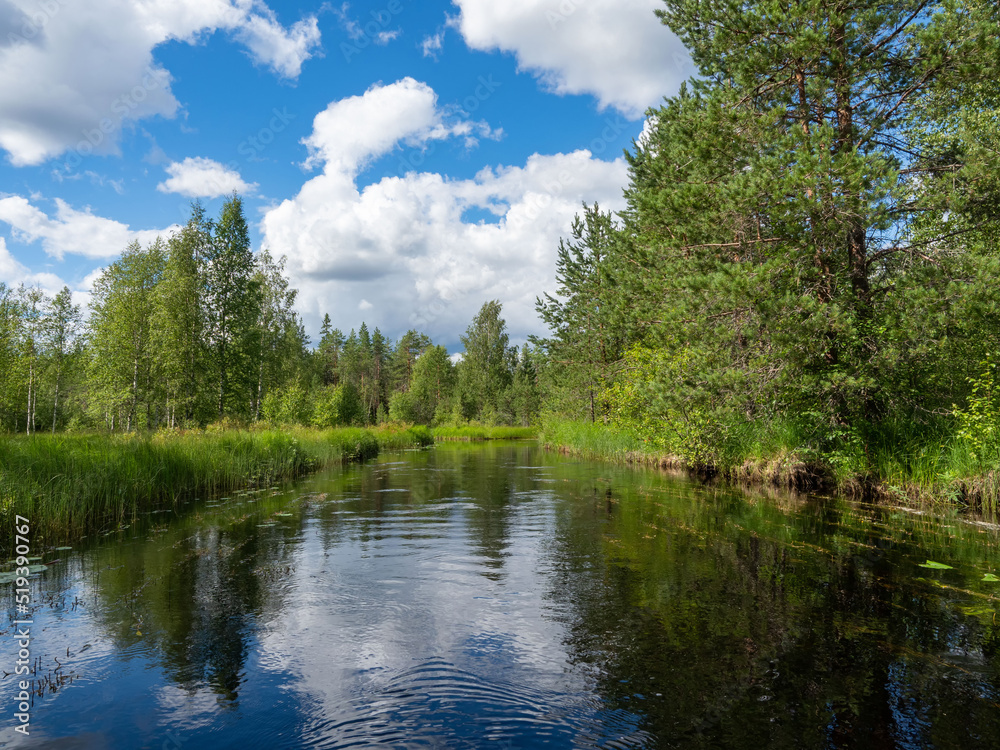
<point x="437" y="704"/>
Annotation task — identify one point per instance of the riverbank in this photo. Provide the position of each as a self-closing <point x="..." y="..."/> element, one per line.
<point x="474" y="433"/>
<point x="81" y="483"/>
<point x="891" y="467"/>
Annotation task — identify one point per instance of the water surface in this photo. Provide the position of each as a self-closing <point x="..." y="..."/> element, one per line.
<point x="497" y="596"/>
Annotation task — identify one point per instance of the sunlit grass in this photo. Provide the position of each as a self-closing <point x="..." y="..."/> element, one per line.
<point x="897" y="462"/>
<point x="77" y="483"/>
<point x="484" y="432"/>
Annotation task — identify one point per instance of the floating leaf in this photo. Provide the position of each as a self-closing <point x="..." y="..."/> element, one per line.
<point x="936" y="565"/>
<point x="990" y="578"/>
<point x="36" y="569"/>
<point x="63" y="549"/>
<point x="6" y="578"/>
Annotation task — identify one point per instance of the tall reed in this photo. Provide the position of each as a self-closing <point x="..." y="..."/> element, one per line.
<point x="79" y="483"/>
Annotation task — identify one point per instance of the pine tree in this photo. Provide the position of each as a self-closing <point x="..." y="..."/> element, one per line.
<point x="331" y="347"/>
<point x="775" y="210"/>
<point x="585" y="341"/>
<point x="404" y="355"/>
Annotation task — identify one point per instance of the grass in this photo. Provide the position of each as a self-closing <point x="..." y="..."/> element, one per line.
<point x="915" y="464"/>
<point x="597" y="441"/>
<point x="484" y="432"/>
<point x="75" y="484"/>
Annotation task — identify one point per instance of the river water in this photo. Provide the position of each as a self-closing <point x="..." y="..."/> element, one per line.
<point x="498" y="596"/>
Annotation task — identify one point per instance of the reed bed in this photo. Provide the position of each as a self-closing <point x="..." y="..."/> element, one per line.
<point x="484" y="432"/>
<point x="74" y="484"/>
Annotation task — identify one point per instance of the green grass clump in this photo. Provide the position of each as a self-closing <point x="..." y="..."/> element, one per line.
<point x="596" y="441"/>
<point x="484" y="432"/>
<point x="75" y="484"/>
<point x="402" y="436"/>
<point x="897" y="462"/>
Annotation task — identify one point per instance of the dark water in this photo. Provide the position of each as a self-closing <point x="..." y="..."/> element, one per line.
<point x="500" y="597"/>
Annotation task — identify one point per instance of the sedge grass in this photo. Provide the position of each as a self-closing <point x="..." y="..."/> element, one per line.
<point x="918" y="464"/>
<point x="484" y="432"/>
<point x="75" y="484"/>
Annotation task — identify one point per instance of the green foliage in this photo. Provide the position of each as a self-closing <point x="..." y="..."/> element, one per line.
<point x="487" y="367"/>
<point x="337" y="406"/>
<point x="979" y="422"/>
<point x="807" y="260"/>
<point x="232" y="305"/>
<point x="70" y="485"/>
<point x="483" y="432"/>
<point x="288" y="405"/>
<point x="587" y="332"/>
<point x="121" y="337"/>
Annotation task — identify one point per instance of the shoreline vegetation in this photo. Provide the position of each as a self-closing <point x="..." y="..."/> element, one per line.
<point x="69" y="484"/>
<point x="912" y="473"/>
<point x="800" y="290"/>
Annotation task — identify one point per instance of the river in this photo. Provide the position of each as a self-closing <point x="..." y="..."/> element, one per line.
<point x="498" y="596"/>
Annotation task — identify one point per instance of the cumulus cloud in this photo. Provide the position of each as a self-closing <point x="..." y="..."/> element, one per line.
<point x="197" y="177"/>
<point x="283" y="50"/>
<point x="616" y="50"/>
<point x="422" y="250"/>
<point x="78" y="72"/>
<point x="352" y="131"/>
<point x="70" y="231"/>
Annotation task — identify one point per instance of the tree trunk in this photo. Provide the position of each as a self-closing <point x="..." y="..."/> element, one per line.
<point x="135" y="394"/>
<point x="55" y="406"/>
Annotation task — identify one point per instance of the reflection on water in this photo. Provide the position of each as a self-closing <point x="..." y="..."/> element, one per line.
<point x="500" y="597"/>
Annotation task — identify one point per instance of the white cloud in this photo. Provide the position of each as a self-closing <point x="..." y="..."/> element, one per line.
<point x="350" y="132"/>
<point x="616" y="50"/>
<point x="283" y="50"/>
<point x="197" y="177"/>
<point x="87" y="70"/>
<point x="71" y="232"/>
<point x="432" y="45"/>
<point x="408" y="246"/>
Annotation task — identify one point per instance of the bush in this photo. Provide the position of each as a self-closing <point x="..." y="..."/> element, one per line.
<point x="337" y="407"/>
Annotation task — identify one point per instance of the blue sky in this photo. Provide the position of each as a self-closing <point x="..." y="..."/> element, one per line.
<point x="410" y="160"/>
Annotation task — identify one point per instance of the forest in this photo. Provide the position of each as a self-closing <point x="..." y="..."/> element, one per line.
<point x="801" y="287"/>
<point x="805" y="273"/>
<point x="198" y="329"/>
